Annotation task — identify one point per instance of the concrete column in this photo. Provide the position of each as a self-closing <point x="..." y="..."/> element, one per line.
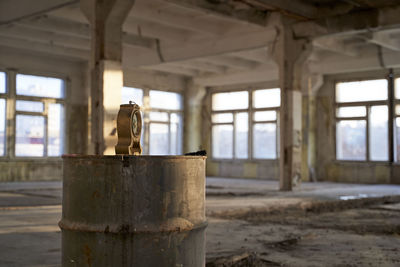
<point x="106" y="19"/>
<point x="310" y="87"/>
<point x="289" y="54"/>
<point x="193" y="121"/>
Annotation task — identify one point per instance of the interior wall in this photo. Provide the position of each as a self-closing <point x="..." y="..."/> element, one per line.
<point x="235" y="168"/>
<point x="327" y="167"/>
<point x="76" y="110"/>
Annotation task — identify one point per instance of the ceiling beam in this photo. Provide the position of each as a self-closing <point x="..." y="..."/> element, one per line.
<point x="48" y="37"/>
<point x="200" y="66"/>
<point x="250" y="15"/>
<point x="290" y="7"/>
<point x="172" y="69"/>
<point x="72" y="28"/>
<point x="384" y="39"/>
<point x="260" y="74"/>
<point x="12" y="11"/>
<point x="353" y="22"/>
<point x="257" y="55"/>
<point x="152" y="12"/>
<point x="335" y="45"/>
<point x="202" y="48"/>
<point x="230" y="61"/>
<point x="72" y="53"/>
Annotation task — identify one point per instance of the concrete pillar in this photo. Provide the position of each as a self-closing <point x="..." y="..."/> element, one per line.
<point x="106" y="19"/>
<point x="193" y="121"/>
<point x="290" y="55"/>
<point x="311" y="84"/>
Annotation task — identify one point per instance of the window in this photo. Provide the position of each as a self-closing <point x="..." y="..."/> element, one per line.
<point x="2" y="113"/>
<point x="243" y="131"/>
<point x="39" y="116"/>
<point x="362" y="120"/>
<point x="162" y="123"/>
<point x="397" y="120"/>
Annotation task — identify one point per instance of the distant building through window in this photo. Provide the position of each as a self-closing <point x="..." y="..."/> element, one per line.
<point x="245" y="124"/>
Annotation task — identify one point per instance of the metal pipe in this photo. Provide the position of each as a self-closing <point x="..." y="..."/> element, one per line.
<point x="133" y="211"/>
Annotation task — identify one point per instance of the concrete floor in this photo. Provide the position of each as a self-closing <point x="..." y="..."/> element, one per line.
<point x="250" y="221"/>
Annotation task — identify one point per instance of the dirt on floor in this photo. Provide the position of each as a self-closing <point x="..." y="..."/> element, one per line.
<point x="368" y="235"/>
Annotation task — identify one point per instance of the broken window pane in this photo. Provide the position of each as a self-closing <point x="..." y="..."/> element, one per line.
<point x="230" y="101"/>
<point x="348" y="112"/>
<point x="265" y="116"/>
<point x="30" y="106"/>
<point x="2" y="126"/>
<point x="222" y="118"/>
<point x="222" y="141"/>
<point x="264" y="141"/>
<point x="31" y="85"/>
<point x="55" y="137"/>
<point x="158" y="143"/>
<point x="378" y="133"/>
<point x="362" y="91"/>
<point x="351" y="140"/>
<point x="241" y="133"/>
<point x="132" y="94"/>
<point x="267" y="98"/>
<point x="29" y="136"/>
<point x="165" y="100"/>
<point x="2" y="82"/>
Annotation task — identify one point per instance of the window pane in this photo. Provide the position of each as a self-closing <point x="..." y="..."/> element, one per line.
<point x="397" y="88"/>
<point x="347" y="112"/>
<point x="40" y="86"/>
<point x="29" y="136"/>
<point x="242" y="129"/>
<point x="264" y="141"/>
<point x="397" y="139"/>
<point x="350" y="140"/>
<point x="56" y="130"/>
<point x="2" y="126"/>
<point x="176" y="134"/>
<point x="378" y="133"/>
<point x="230" y="101"/>
<point x="267" y="98"/>
<point x="30" y="106"/>
<point x="362" y="91"/>
<point x="158" y="116"/>
<point x="132" y="94"/>
<point x="222" y="141"/>
<point x="222" y="118"/>
<point x="2" y="82"/>
<point x="158" y="142"/>
<point x="165" y="100"/>
<point x="265" y="116"/>
<point x="397" y="109"/>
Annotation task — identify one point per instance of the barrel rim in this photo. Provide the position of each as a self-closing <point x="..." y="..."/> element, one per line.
<point x="119" y="157"/>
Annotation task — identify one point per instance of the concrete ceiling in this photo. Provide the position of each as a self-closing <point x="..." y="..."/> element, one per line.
<point x="216" y="42"/>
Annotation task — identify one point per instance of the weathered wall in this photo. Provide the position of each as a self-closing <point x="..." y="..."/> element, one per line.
<point x="76" y="110"/>
<point x="327" y="167"/>
<point x="251" y="168"/>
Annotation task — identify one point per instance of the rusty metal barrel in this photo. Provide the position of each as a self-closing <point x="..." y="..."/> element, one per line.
<point x="133" y="211"/>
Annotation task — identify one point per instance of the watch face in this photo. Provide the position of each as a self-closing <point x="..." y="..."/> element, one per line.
<point x="134" y="123"/>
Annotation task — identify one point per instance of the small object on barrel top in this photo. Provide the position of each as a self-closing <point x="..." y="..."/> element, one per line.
<point x="197" y="153"/>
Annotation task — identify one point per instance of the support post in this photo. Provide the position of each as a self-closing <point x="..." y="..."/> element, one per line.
<point x="193" y="121"/>
<point x="290" y="55"/>
<point x="106" y="19"/>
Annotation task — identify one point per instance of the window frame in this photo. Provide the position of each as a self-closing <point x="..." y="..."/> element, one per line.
<point x="368" y="105"/>
<point x="396" y="102"/>
<point x="11" y="98"/>
<point x="146" y="110"/>
<point x="250" y="110"/>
